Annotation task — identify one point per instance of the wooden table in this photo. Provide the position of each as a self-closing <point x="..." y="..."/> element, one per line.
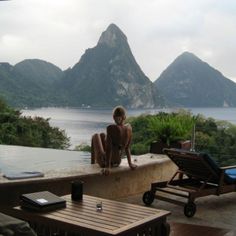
<point x="82" y="218"/>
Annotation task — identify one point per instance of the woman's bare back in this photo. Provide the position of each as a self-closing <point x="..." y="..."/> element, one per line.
<point x="117" y="140"/>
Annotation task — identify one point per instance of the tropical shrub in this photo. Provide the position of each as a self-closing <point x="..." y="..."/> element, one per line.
<point x="165" y="127"/>
<point x="171" y="127"/>
<point x="83" y="147"/>
<point x="26" y="131"/>
<point x="139" y="149"/>
<point x="217" y="138"/>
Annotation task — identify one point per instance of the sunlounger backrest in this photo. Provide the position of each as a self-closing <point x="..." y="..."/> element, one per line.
<point x="196" y="165"/>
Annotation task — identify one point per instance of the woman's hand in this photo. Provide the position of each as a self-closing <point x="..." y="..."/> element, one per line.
<point x="105" y="171"/>
<point x="132" y="166"/>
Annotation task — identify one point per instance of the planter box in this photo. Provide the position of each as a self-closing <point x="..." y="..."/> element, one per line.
<point x="158" y="146"/>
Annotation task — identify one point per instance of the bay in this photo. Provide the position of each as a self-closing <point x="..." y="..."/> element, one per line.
<point x="81" y="124"/>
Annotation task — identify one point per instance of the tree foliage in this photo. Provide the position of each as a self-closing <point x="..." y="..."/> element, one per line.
<point x="165" y="127"/>
<point x="16" y="129"/>
<point x="171" y="127"/>
<point x="217" y="138"/>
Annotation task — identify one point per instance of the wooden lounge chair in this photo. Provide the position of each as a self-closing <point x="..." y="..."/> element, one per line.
<point x="197" y="176"/>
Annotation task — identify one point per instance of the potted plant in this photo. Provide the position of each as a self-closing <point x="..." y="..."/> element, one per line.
<point x="171" y="131"/>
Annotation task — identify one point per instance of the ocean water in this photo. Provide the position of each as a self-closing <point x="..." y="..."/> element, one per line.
<point x="81" y="124"/>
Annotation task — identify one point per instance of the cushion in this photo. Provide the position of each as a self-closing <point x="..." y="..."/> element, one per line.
<point x="231" y="173"/>
<point x="23" y="175"/>
<point x="211" y="162"/>
<point x="10" y="226"/>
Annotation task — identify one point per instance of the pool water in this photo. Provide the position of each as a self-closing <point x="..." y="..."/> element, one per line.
<point x="18" y="158"/>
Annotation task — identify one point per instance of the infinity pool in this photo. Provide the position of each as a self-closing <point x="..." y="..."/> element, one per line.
<point x="18" y="158"/>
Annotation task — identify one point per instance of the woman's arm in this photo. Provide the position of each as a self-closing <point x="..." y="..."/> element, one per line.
<point x="127" y="148"/>
<point x="108" y="147"/>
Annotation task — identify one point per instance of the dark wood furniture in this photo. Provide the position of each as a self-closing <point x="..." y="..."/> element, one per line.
<point x="159" y="146"/>
<point x="82" y="218"/>
<point x="197" y="176"/>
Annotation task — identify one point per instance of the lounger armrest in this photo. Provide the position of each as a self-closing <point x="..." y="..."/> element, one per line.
<point x="228" y="167"/>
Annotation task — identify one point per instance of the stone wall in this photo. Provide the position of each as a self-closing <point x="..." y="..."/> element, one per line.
<point x="122" y="182"/>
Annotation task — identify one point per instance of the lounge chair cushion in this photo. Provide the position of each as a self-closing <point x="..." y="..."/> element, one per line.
<point x="211" y="162"/>
<point x="231" y="173"/>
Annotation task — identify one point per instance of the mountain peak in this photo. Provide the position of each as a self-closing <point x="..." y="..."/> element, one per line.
<point x="188" y="57"/>
<point x="114" y="78"/>
<point x="5" y="65"/>
<point x="187" y="54"/>
<point x="112" y="36"/>
<point x="191" y="82"/>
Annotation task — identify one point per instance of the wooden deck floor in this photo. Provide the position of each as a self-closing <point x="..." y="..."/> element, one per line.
<point x="180" y="229"/>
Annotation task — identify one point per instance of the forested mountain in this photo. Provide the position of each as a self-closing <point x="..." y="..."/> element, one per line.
<point x="108" y="75"/>
<point x="9" y="90"/>
<point x="29" y="83"/>
<point x="191" y="82"/>
<point x="39" y="71"/>
<point x="105" y="76"/>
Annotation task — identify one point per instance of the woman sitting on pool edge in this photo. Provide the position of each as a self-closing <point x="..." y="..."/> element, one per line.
<point x="108" y="150"/>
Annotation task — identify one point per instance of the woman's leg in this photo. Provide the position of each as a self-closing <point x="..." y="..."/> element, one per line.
<point x="92" y="152"/>
<point x="97" y="150"/>
<point x="103" y="139"/>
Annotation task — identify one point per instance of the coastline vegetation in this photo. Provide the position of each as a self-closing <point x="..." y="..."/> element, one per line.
<point x="26" y="131"/>
<point x="217" y="138"/>
<point x="83" y="148"/>
<point x="164" y="127"/>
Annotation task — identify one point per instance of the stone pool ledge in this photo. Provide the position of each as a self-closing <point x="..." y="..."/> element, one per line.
<point x="121" y="182"/>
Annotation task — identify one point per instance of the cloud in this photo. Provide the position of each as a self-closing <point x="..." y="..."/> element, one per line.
<point x="157" y="30"/>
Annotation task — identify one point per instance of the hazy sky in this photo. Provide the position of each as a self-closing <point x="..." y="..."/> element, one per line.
<point x="59" y="31"/>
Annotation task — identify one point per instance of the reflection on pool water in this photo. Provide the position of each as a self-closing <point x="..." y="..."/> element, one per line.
<point x="18" y="158"/>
